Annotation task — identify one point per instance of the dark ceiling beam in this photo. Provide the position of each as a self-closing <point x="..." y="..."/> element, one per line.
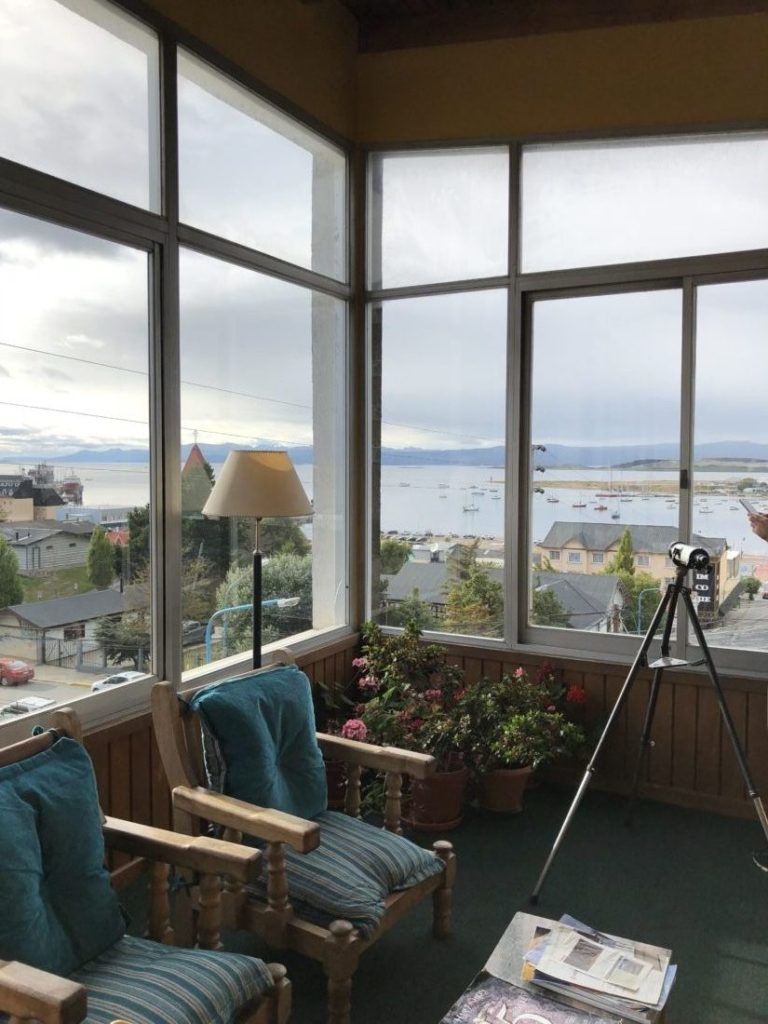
<point x="422" y="24"/>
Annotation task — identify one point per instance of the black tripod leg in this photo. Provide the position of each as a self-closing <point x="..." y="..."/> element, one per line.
<point x="637" y="664"/>
<point x="645" y="743"/>
<point x="757" y="803"/>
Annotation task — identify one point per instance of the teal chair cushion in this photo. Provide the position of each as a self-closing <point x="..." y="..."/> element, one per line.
<point x="148" y="983"/>
<point x="259" y="738"/>
<point x="353" y="870"/>
<point x="58" y="907"/>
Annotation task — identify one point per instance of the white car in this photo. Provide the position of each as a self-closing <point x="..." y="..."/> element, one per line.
<point x="114" y="680"/>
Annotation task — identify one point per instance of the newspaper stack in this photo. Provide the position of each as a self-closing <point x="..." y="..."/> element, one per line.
<point x="630" y="979"/>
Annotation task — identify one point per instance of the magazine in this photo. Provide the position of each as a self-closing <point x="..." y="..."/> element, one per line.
<point x="616" y="975"/>
<point x="490" y="1000"/>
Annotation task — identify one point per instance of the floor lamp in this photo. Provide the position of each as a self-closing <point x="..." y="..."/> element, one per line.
<point x="257" y="485"/>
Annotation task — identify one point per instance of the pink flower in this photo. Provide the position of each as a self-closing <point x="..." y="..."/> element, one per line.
<point x="360" y="663"/>
<point x="368" y="684"/>
<point x="433" y="695"/>
<point x="519" y="672"/>
<point x="576" y="695"/>
<point x="551" y="707"/>
<point x="354" y="729"/>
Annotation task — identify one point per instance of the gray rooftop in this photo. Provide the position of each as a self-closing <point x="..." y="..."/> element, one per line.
<point x="586" y="597"/>
<point x="62" y="611"/>
<point x="429" y="578"/>
<point x="653" y="540"/>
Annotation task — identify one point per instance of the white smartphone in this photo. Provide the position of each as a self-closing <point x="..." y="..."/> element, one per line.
<point x="749" y="507"/>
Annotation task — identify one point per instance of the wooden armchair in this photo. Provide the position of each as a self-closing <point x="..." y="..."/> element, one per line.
<point x="303" y="905"/>
<point x="53" y="926"/>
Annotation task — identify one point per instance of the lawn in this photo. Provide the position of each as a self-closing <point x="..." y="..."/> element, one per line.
<point x="62" y="583"/>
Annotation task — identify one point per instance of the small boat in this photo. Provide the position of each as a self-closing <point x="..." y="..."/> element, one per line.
<point x="615" y="515"/>
<point x="403" y="484"/>
<point x="442" y="486"/>
<point x="495" y="497"/>
<point x="579" y="504"/>
<point x="553" y="501"/>
<point x="601" y="508"/>
<point x="470" y="508"/>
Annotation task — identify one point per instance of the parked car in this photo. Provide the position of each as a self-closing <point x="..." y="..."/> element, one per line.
<point x="192" y="632"/>
<point x="13" y="671"/>
<point x="116" y="679"/>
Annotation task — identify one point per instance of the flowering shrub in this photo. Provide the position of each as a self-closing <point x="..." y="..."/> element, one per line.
<point x="517" y="721"/>
<point x="408" y="693"/>
<point x="354" y="729"/>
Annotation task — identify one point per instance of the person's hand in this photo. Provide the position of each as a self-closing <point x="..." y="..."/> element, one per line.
<point x="759" y="524"/>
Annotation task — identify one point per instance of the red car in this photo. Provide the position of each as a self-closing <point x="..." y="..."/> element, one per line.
<point x="13" y="672"/>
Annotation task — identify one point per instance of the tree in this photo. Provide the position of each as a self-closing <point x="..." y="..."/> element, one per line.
<point x="475" y="603"/>
<point x="137" y="555"/>
<point x="100" y="560"/>
<point x="11" y="590"/>
<point x="393" y="554"/>
<point x="125" y="638"/>
<point x="547" y="609"/>
<point x="623" y="560"/>
<point x="751" y="586"/>
<point x="642" y="593"/>
<point x="412" y="610"/>
<point x="282" y="537"/>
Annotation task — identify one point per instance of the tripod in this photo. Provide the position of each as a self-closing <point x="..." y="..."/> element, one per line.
<point x="684" y="558"/>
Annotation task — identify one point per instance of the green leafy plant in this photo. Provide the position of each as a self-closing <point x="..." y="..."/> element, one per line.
<point x="408" y="693"/>
<point x="517" y="721"/>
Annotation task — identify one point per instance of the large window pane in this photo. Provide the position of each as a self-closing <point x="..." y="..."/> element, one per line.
<point x="74" y="476"/>
<point x="731" y="459"/>
<point x="255" y="176"/>
<point x="262" y="366"/>
<point x="605" y="407"/>
<point x="438" y="517"/>
<point x="79" y="96"/>
<point x="585" y="204"/>
<point x="438" y="216"/>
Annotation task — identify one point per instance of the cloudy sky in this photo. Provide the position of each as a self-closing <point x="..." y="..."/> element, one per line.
<point x="74" y="310"/>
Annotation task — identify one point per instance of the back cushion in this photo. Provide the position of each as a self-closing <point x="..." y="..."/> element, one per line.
<point x="58" y="907"/>
<point x="264" y="727"/>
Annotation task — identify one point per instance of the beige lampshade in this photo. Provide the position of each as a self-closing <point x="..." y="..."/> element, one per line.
<point x="257" y="484"/>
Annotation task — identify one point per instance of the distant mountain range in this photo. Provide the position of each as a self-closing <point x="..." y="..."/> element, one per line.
<point x="556" y="455"/>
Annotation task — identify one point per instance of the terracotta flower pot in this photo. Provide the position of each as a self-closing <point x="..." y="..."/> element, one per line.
<point x="502" y="789"/>
<point x="436" y="804"/>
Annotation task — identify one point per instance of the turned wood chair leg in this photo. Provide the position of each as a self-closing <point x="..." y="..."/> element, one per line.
<point x="392" y="811"/>
<point x="209" y="920"/>
<point x="442" y="898"/>
<point x="340" y="963"/>
<point x="281" y="995"/>
<point x="160" y="928"/>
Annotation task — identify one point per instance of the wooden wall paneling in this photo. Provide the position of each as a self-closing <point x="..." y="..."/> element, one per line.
<point x="473" y="669"/>
<point x="709" y="741"/>
<point x="610" y="767"/>
<point x="732" y="785"/>
<point x="757" y="740"/>
<point x="141" y="776"/>
<point x="685" y="736"/>
<point x="492" y="668"/>
<point x="162" y="815"/>
<point x="120" y="787"/>
<point x="660" y="754"/>
<point x="636" y="705"/>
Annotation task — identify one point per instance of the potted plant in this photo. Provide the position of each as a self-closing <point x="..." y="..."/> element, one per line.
<point x="511" y="726"/>
<point x="409" y="696"/>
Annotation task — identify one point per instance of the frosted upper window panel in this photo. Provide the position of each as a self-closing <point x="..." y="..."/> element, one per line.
<point x="79" y="96"/>
<point x="251" y="174"/>
<point x="587" y="204"/>
<point x="438" y="216"/>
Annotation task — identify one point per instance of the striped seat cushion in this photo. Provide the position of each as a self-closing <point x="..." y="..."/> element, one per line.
<point x="354" y="869"/>
<point x="148" y="983"/>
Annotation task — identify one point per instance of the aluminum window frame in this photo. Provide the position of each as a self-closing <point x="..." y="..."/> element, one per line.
<point x="43" y="196"/>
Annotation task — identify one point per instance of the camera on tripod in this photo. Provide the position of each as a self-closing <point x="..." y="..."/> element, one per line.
<point x="685" y="556"/>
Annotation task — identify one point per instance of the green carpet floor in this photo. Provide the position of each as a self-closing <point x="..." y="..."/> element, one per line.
<point x="677" y="878"/>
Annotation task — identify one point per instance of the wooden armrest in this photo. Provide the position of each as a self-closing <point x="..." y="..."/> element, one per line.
<point x="261" y="822"/>
<point x="199" y="853"/>
<point x="28" y="992"/>
<point x="385" y="759"/>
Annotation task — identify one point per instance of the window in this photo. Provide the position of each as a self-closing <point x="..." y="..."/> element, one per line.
<point x="643" y="561"/>
<point x="258" y="394"/>
<point x="574" y="556"/>
<point x="103" y="404"/>
<point x="623" y="201"/>
<point x="554" y="556"/>
<point x="598" y="558"/>
<point x="70" y="76"/>
<point x="251" y="174"/>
